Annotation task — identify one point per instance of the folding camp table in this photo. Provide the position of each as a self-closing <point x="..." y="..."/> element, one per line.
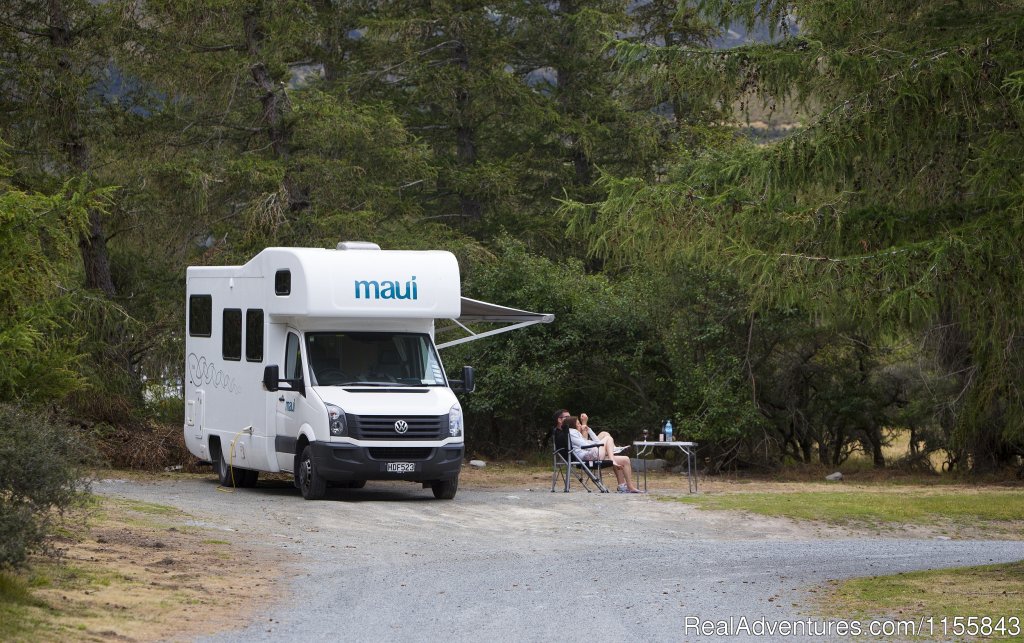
<point x="689" y="449"/>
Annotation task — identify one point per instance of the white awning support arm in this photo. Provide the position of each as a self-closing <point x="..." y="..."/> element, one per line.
<point x="475" y="336"/>
<point x="481" y="311"/>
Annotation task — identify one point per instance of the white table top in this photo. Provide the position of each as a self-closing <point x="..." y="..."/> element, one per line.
<point x="659" y="443"/>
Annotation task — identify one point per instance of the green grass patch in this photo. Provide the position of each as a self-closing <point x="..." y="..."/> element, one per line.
<point x="21" y="613"/>
<point x="71" y="577"/>
<point x="136" y="513"/>
<point x="991" y="592"/>
<point x="15" y="591"/>
<point x="888" y="506"/>
<point x="149" y="508"/>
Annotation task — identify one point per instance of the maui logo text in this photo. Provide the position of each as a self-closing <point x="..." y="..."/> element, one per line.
<point x="386" y="289"/>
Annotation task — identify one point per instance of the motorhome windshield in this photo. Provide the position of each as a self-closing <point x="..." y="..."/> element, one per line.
<point x="373" y="359"/>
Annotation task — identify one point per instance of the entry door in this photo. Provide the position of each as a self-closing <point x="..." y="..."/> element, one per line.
<point x="289" y="404"/>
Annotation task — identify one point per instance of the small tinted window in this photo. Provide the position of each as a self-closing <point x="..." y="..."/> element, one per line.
<point x="231" y="341"/>
<point x="283" y="282"/>
<point x="200" y="315"/>
<point x="254" y="335"/>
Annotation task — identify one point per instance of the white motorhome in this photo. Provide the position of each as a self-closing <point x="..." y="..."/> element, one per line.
<point x="322" y="363"/>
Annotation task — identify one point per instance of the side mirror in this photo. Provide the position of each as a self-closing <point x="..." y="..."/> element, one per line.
<point x="271" y="378"/>
<point x="272" y="381"/>
<point x="466" y="384"/>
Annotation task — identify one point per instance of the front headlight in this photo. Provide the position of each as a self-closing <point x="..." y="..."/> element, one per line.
<point x="336" y="420"/>
<point x="455" y="421"/>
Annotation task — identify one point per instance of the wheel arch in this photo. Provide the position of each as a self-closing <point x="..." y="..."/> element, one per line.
<point x="214" y="448"/>
<point x="306" y="436"/>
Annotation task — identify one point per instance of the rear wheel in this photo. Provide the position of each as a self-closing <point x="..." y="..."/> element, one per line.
<point x="312" y="486"/>
<point x="238" y="477"/>
<point x="445" y="489"/>
<point x="223" y="468"/>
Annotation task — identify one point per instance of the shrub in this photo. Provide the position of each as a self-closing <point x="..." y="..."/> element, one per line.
<point x="42" y="473"/>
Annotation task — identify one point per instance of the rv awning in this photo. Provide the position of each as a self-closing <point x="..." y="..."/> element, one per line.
<point x="481" y="311"/>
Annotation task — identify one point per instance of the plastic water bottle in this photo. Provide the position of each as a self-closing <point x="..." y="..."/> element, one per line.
<point x="668" y="430"/>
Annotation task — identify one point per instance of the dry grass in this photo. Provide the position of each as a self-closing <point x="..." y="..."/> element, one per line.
<point x="139" y="572"/>
<point x="149" y="448"/>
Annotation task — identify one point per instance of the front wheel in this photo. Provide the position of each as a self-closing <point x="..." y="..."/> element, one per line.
<point x="445" y="489"/>
<point x="312" y="486"/>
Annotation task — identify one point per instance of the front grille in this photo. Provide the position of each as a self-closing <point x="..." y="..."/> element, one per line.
<point x="382" y="427"/>
<point x="400" y="453"/>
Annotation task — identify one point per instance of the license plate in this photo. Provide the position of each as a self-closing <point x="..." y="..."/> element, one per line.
<point x="401" y="467"/>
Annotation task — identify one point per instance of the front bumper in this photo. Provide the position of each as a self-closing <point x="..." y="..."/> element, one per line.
<point x="341" y="462"/>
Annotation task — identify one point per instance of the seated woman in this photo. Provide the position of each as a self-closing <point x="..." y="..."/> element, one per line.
<point x="589" y="434"/>
<point x="603" y="449"/>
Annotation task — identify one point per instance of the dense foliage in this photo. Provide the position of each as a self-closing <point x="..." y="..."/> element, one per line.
<point x="895" y="209"/>
<point x="789" y="301"/>
<point x="41" y="475"/>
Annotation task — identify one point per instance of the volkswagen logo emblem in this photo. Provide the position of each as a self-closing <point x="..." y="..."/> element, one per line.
<point x="401" y="426"/>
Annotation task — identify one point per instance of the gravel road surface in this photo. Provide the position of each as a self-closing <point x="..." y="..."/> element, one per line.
<point x="388" y="562"/>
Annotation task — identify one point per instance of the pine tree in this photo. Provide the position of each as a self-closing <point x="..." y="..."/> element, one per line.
<point x="37" y="296"/>
<point x="896" y="206"/>
<point x="517" y="100"/>
<point x="604" y="123"/>
<point x="258" y="135"/>
<point x="445" y="69"/>
<point x="63" y="101"/>
<point x="55" y="105"/>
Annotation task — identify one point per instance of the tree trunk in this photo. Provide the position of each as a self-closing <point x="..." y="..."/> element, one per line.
<point x="874" y="438"/>
<point x="275" y="105"/>
<point x="979" y="436"/>
<point x="465" y="138"/>
<point x="92" y="242"/>
<point x="567" y="83"/>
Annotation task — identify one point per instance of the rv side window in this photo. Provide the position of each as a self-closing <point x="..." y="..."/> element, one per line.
<point x="200" y="315"/>
<point x="254" y="335"/>
<point x="283" y="282"/>
<point x="293" y="358"/>
<point x="231" y="339"/>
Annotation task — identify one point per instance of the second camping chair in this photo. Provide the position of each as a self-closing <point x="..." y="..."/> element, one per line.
<point x="567" y="465"/>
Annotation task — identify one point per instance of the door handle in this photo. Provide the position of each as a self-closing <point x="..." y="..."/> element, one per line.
<point x="280" y="399"/>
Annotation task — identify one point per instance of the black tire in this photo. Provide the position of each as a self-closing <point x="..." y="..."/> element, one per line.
<point x="348" y="484"/>
<point x="242" y="477"/>
<point x="223" y="468"/>
<point x="312" y="486"/>
<point x="445" y="489"/>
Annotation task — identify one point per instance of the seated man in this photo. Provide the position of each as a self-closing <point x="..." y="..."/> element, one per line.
<point x="603" y="449"/>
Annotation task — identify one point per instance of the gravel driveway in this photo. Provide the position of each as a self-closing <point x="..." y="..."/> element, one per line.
<point x="389" y="562"/>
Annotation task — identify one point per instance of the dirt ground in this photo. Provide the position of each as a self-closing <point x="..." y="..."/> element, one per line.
<point x="138" y="572"/>
<point x="146" y="572"/>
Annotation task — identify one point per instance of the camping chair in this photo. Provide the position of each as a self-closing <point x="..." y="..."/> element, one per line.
<point x="567" y="465"/>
